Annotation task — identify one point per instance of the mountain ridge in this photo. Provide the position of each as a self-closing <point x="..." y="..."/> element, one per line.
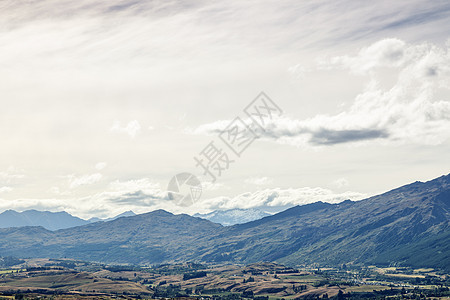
<point x="32" y="217"/>
<point x="233" y="216"/>
<point x="408" y="225"/>
<point x="49" y="220"/>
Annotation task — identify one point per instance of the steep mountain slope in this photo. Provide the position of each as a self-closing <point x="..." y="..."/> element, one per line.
<point x="391" y="227"/>
<point x="408" y="225"/>
<point x="233" y="216"/>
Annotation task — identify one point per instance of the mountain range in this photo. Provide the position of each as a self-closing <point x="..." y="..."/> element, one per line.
<point x="405" y="226"/>
<point x="62" y="220"/>
<point x="48" y="220"/>
<point x="234" y="216"/>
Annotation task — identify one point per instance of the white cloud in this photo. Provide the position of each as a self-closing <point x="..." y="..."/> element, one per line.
<point x="143" y="195"/>
<point x="259" y="181"/>
<point x="140" y="195"/>
<point x="298" y="71"/>
<point x="75" y="182"/>
<point x="100" y="166"/>
<point x="132" y="128"/>
<point x="130" y="186"/>
<point x="5" y="189"/>
<point x="212" y="186"/>
<point x="10" y="174"/>
<point x="38" y="204"/>
<point x="341" y="183"/>
<point x="278" y="197"/>
<point x="155" y="60"/>
<point x="384" y="53"/>
<point x="57" y="191"/>
<point x="409" y="112"/>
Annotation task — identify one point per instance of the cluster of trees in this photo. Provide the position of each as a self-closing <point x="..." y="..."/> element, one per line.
<point x="121" y="268"/>
<point x="167" y="269"/>
<point x="287" y="271"/>
<point x="9" y="261"/>
<point x="175" y="291"/>
<point x="171" y="291"/>
<point x="299" y="288"/>
<point x="199" y="274"/>
<point x="394" y="294"/>
<point x="253" y="272"/>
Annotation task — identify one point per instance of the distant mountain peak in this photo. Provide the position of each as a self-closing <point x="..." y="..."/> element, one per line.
<point x="46" y="219"/>
<point x="128" y="213"/>
<point x="160" y="212"/>
<point x="233" y="216"/>
<point x="49" y="220"/>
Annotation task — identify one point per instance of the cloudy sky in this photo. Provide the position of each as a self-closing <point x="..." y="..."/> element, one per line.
<point x="103" y="102"/>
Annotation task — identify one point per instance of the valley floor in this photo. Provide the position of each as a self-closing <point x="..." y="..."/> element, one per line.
<point x="69" y="279"/>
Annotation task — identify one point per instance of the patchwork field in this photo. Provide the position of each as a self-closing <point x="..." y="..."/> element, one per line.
<point x="67" y="279"/>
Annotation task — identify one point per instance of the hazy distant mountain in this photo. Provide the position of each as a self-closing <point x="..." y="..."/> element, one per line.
<point x="407" y="226"/>
<point x="145" y="238"/>
<point x="128" y="213"/>
<point x="233" y="216"/>
<point x="47" y="219"/>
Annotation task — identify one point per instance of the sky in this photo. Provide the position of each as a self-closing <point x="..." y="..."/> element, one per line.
<point x="102" y="103"/>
